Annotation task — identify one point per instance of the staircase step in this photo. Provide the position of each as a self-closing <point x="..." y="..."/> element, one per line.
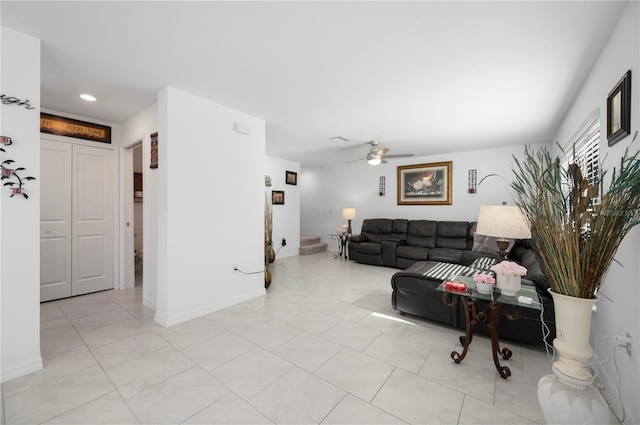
<point x="312" y="249"/>
<point x="306" y="240"/>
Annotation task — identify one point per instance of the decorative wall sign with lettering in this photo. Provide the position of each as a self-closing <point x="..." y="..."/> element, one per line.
<point x="11" y="100"/>
<point x="63" y="126"/>
<point x="16" y="182"/>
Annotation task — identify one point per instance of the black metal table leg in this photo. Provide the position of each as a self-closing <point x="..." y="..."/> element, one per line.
<point x="493" y="314"/>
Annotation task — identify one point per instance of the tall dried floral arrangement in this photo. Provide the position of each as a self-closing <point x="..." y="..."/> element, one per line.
<point x="575" y="237"/>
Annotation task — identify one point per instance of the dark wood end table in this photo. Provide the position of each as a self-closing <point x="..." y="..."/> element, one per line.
<point x="470" y="300"/>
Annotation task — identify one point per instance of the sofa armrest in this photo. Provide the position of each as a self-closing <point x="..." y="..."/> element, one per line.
<point x="388" y="251"/>
<point x="358" y="238"/>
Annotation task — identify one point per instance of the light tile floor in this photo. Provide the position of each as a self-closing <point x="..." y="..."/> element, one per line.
<point x="310" y="351"/>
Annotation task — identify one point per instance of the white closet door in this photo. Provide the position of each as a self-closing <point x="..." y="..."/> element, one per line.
<point x="55" y="220"/>
<point x="93" y="198"/>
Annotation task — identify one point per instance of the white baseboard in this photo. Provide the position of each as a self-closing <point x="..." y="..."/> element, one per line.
<point x="183" y="317"/>
<point x="21" y="370"/>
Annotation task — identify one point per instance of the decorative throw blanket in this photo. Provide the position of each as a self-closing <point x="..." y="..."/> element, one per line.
<point x="442" y="271"/>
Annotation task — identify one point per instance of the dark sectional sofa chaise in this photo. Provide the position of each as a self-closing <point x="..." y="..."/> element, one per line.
<point x="413" y="245"/>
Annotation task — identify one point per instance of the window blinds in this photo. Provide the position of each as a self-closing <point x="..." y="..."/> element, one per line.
<point x="585" y="151"/>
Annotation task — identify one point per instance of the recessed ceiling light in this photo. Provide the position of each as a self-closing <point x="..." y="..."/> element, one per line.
<point x="88" y="97"/>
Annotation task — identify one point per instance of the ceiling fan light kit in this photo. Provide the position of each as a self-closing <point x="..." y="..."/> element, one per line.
<point x="373" y="158"/>
<point x="377" y="156"/>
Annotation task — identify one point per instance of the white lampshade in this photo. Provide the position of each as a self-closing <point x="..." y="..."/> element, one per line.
<point x="348" y="213"/>
<point x="503" y="221"/>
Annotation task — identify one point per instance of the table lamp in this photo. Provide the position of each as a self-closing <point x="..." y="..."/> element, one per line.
<point x="348" y="214"/>
<point x="504" y="222"/>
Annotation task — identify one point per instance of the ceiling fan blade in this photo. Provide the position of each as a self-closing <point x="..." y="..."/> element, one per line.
<point x="356" y="160"/>
<point x="405" y="155"/>
<point x="382" y="151"/>
<point x="383" y="161"/>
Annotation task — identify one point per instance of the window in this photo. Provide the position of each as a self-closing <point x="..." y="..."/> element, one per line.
<point x="585" y="151"/>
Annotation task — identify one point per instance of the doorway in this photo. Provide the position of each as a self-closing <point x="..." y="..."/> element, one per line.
<point x="138" y="221"/>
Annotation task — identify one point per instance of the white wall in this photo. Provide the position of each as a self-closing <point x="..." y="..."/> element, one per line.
<point x="286" y="218"/>
<point x="326" y="192"/>
<point x="618" y="311"/>
<point x="20" y="218"/>
<point x="210" y="207"/>
<point x="145" y="123"/>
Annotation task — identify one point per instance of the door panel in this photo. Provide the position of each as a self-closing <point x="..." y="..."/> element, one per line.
<point x="55" y="220"/>
<point x="92" y="246"/>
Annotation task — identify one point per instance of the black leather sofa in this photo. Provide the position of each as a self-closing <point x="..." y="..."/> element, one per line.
<point x="410" y="244"/>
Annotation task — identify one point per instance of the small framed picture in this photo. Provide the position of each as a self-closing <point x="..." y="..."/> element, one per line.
<point x="277" y="197"/>
<point x="291" y="178"/>
<point x="619" y="110"/>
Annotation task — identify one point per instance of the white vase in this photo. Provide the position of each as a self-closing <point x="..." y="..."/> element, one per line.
<point x="569" y="396"/>
<point x="564" y="404"/>
<point x="508" y="284"/>
<point x="573" y="326"/>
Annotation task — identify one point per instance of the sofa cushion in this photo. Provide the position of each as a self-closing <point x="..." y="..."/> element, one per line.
<point x="422" y="233"/>
<point x="399" y="228"/>
<point x="377" y="229"/>
<point x="417" y="253"/>
<point x="528" y="259"/>
<point x="453" y="235"/>
<point x="370" y="248"/>
<point x="447" y="255"/>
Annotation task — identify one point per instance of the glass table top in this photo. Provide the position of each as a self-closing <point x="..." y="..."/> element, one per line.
<point x="495" y="295"/>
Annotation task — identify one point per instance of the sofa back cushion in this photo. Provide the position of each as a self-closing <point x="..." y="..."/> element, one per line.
<point x="422" y="233"/>
<point x="399" y="228"/>
<point x="377" y="229"/>
<point x="453" y="234"/>
<point x="528" y="259"/>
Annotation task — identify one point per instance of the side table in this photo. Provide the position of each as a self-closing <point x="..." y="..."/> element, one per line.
<point x="470" y="301"/>
<point x="342" y="244"/>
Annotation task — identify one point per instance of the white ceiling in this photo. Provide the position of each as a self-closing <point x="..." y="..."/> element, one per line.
<point x="421" y="77"/>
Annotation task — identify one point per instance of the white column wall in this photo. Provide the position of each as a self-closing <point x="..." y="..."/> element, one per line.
<point x="210" y="207"/>
<point x="20" y="217"/>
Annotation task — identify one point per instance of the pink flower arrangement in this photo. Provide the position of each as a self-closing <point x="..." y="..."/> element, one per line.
<point x="342" y="230"/>
<point x="509" y="268"/>
<point x="483" y="278"/>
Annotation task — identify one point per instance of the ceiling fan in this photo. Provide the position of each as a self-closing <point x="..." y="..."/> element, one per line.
<point x="377" y="155"/>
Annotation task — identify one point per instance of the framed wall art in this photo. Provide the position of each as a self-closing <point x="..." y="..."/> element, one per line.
<point x="425" y="184"/>
<point x="619" y="110"/>
<point x="291" y="178"/>
<point x="277" y="197"/>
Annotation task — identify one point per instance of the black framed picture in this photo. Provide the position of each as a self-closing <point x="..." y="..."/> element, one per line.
<point x="277" y="197"/>
<point x="619" y="110"/>
<point x="291" y="178"/>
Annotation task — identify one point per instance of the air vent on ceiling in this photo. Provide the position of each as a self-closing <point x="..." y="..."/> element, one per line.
<point x="339" y="139"/>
